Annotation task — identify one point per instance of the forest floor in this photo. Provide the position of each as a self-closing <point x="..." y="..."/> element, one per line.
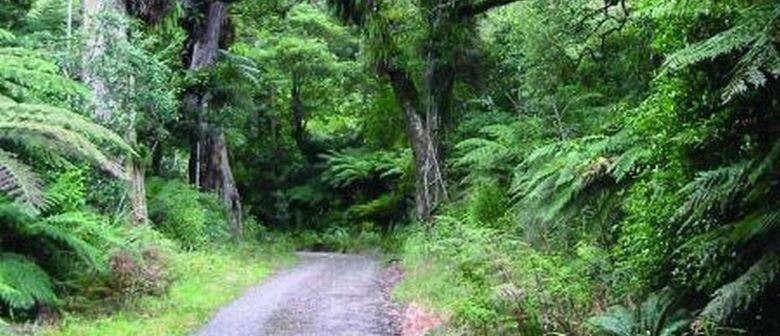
<point x="324" y="294"/>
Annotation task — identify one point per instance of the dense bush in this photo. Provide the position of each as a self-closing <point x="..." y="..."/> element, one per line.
<point x="185" y="215"/>
<point x="492" y="281"/>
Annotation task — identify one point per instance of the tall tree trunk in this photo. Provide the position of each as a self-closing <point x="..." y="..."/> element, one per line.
<point x="105" y="103"/>
<point x="209" y="163"/>
<point x="218" y="176"/>
<point x="422" y="131"/>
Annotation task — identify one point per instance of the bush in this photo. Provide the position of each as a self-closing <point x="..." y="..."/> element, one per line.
<point x="493" y="283"/>
<point x="134" y="274"/>
<point x="185" y="215"/>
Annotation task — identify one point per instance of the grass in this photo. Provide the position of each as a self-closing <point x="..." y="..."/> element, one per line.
<point x="207" y="280"/>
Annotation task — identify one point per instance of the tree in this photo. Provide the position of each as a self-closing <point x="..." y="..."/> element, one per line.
<point x="110" y="106"/>
<point x="209" y="165"/>
<point x="445" y="29"/>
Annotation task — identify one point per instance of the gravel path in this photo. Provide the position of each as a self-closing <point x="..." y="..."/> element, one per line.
<point x="325" y="294"/>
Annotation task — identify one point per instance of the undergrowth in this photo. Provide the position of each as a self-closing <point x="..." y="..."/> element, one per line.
<point x="203" y="281"/>
<point x="487" y="281"/>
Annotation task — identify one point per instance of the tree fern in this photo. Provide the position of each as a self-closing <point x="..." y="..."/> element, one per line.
<point x="656" y="316"/>
<point x="50" y="128"/>
<point x="553" y="177"/>
<point x="18" y="181"/>
<point x="754" y="35"/>
<point x="23" y="283"/>
<point x="48" y="16"/>
<point x="85" y="234"/>
<point x="742" y="196"/>
<point x="495" y="147"/>
<point x="350" y="166"/>
<point x="29" y="76"/>
<point x="736" y="296"/>
<point x="381" y="205"/>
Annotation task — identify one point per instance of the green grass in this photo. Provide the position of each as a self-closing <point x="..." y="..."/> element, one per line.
<point x="206" y="281"/>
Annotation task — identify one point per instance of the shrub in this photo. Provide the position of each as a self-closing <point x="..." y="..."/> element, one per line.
<point x="656" y="316"/>
<point x="493" y="283"/>
<point x="185" y="215"/>
<point x="139" y="273"/>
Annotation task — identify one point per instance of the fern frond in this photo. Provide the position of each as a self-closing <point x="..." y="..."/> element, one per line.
<point x="23" y="283"/>
<point x="350" y="166"/>
<point x="757" y="224"/>
<point x="617" y="320"/>
<point x="46" y="15"/>
<point x="20" y="183"/>
<point x="63" y="140"/>
<point x="736" y="296"/>
<point x="383" y="204"/>
<point x="28" y="75"/>
<point x="713" y="190"/>
<point x="6" y="36"/>
<point x="656" y="316"/>
<point x="86" y="234"/>
<point x="43" y="114"/>
<point x="755" y="31"/>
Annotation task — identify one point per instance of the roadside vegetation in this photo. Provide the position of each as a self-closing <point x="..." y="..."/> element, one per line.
<point x="201" y="282"/>
<point x="536" y="167"/>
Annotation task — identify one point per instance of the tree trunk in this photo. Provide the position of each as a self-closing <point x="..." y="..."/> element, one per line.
<point x="217" y="175"/>
<point x="135" y="183"/>
<point x="209" y="163"/>
<point x="157" y="157"/>
<point x="430" y="183"/>
<point x="104" y="105"/>
<point x="298" y="112"/>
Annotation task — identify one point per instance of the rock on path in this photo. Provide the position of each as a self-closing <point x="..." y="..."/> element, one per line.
<point x="325" y="294"/>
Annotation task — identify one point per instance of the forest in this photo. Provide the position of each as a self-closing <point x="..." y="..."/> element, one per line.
<point x="531" y="167"/>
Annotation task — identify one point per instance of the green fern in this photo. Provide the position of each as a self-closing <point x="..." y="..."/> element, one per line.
<point x="29" y="76"/>
<point x="387" y="203"/>
<point x="48" y="16"/>
<point x="656" y="316"/>
<point x="351" y="166"/>
<point x="495" y="148"/>
<point x="554" y="177"/>
<point x="50" y="128"/>
<point x="737" y="296"/>
<point x="749" y="189"/>
<point x="754" y="35"/>
<point x="23" y="283"/>
<point x="87" y="235"/>
<point x="18" y="181"/>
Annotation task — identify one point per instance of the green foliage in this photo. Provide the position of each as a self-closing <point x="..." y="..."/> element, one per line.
<point x="753" y="36"/>
<point x="656" y="316"/>
<point x="23" y="283"/>
<point x="632" y="173"/>
<point x="489" y="280"/>
<point x="594" y="152"/>
<point x="83" y="240"/>
<point x="183" y="214"/>
<point x="29" y="76"/>
<point x="737" y="296"/>
<point x="351" y="166"/>
<point x="55" y="129"/>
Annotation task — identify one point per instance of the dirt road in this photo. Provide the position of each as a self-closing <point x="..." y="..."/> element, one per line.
<point x="325" y="294"/>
